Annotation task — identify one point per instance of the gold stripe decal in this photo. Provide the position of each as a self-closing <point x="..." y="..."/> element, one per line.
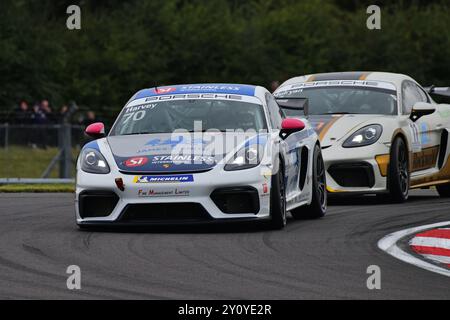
<point x="425" y="159"/>
<point x="327" y="127"/>
<point x="437" y="178"/>
<point x="383" y="162"/>
<point x="364" y="75"/>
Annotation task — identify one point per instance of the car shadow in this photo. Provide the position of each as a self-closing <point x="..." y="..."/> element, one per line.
<point x="371" y="200"/>
<point x="253" y="226"/>
<point x="226" y="227"/>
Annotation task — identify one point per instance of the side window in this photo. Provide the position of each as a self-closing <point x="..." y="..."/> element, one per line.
<point x="275" y="113"/>
<point x="411" y="94"/>
<point x="422" y="93"/>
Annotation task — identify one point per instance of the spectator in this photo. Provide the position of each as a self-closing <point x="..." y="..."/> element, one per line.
<point x="37" y="115"/>
<point x="22" y="113"/>
<point x="90" y="118"/>
<point x="39" y="136"/>
<point x="63" y="114"/>
<point x="47" y="110"/>
<point x="274" y="85"/>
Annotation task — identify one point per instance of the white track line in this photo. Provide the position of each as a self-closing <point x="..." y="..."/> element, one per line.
<point x="441" y="259"/>
<point x="389" y="245"/>
<point x="431" y="242"/>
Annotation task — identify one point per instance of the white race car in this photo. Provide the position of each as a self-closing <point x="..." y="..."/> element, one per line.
<point x="200" y="153"/>
<point x="380" y="132"/>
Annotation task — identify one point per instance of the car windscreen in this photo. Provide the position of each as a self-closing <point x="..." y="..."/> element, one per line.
<point x="171" y="115"/>
<point x="343" y="100"/>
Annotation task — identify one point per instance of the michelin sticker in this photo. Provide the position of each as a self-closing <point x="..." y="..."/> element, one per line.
<point x="164" y="179"/>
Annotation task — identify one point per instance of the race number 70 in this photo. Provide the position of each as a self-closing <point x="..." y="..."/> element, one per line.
<point x="135" y="116"/>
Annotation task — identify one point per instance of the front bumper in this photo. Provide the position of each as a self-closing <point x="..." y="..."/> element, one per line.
<point x="356" y="170"/>
<point x="215" y="195"/>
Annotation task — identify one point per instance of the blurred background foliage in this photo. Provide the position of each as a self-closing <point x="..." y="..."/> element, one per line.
<point x="124" y="46"/>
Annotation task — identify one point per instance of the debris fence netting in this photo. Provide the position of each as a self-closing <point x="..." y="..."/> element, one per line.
<point x="34" y="151"/>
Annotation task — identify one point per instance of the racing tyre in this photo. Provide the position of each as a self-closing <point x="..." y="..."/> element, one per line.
<point x="278" y="201"/>
<point x="318" y="205"/>
<point x="443" y="190"/>
<point x="398" y="179"/>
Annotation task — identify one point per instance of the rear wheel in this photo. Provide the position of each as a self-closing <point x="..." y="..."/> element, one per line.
<point x="278" y="201"/>
<point x="398" y="179"/>
<point x="444" y="190"/>
<point x="318" y="205"/>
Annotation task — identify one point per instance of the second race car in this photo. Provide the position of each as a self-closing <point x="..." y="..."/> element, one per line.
<point x="200" y="153"/>
<point x="380" y="132"/>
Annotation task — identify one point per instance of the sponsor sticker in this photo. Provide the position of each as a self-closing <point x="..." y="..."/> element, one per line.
<point x="164" y="179"/>
<point x="168" y="144"/>
<point x="135" y="162"/>
<point x="164" y="90"/>
<point x="297" y="88"/>
<point x="182" y="159"/>
<point x="141" y="107"/>
<point x="163" y="193"/>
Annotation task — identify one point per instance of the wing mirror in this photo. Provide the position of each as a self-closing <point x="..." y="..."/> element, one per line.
<point x="291" y="125"/>
<point x="95" y="130"/>
<point x="294" y="107"/>
<point x="421" y="109"/>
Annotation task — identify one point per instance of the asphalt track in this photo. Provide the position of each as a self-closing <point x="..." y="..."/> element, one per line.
<point x="310" y="259"/>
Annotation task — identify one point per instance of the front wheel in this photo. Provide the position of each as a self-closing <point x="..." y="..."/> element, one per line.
<point x="443" y="190"/>
<point x="398" y="179"/>
<point x="318" y="205"/>
<point x="278" y="201"/>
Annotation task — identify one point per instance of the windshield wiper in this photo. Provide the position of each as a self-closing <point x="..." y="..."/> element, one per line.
<point x="145" y="132"/>
<point x="339" y="113"/>
<point x="205" y="130"/>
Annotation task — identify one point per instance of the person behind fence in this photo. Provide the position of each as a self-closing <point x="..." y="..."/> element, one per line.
<point x="39" y="133"/>
<point x="47" y="110"/>
<point x="63" y="114"/>
<point x="21" y="114"/>
<point x="90" y="118"/>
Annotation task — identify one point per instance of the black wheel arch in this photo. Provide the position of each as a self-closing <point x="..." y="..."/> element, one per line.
<point x="400" y="134"/>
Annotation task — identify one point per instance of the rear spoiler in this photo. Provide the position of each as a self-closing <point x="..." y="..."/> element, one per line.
<point x="293" y="106"/>
<point x="439" y="91"/>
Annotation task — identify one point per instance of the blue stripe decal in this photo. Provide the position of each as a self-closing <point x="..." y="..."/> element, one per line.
<point x="92" y="145"/>
<point x="219" y="88"/>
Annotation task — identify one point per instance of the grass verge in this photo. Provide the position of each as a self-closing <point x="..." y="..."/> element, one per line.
<point x="37" y="188"/>
<point x="26" y="162"/>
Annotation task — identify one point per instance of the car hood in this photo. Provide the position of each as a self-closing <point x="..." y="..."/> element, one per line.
<point x="169" y="153"/>
<point x="332" y="128"/>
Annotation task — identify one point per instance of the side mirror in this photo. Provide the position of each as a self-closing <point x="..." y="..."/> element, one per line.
<point x="294" y="107"/>
<point x="95" y="130"/>
<point x="291" y="125"/>
<point x="421" y="109"/>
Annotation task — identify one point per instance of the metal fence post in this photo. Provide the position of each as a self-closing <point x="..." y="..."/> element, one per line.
<point x="6" y="136"/>
<point x="65" y="145"/>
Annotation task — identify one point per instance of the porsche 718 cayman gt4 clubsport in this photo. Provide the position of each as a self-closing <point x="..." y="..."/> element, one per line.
<point x="200" y="153"/>
<point x="380" y="132"/>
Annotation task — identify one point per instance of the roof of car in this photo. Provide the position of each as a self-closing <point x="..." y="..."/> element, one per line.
<point x="395" y="78"/>
<point x="203" y="88"/>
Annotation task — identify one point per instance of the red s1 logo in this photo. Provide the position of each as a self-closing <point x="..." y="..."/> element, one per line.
<point x="164" y="90"/>
<point x="135" y="162"/>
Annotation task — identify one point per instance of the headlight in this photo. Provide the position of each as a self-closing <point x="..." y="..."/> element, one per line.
<point x="246" y="158"/>
<point x="364" y="136"/>
<point x="92" y="161"/>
